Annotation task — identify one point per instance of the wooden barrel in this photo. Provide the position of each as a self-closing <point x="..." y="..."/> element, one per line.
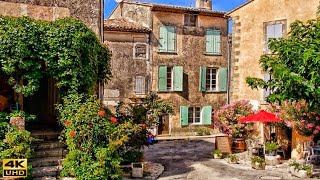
<point x="239" y="145"/>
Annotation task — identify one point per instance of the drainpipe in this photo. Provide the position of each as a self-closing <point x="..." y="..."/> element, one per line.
<point x="229" y="60"/>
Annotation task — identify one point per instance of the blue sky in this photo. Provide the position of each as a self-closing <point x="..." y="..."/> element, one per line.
<point x="221" y="5"/>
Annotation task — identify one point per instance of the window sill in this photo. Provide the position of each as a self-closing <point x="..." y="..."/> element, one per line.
<point x="171" y="53"/>
<point x="214" y="91"/>
<point x="208" y="54"/>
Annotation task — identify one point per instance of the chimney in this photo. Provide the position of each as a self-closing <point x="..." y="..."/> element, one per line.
<point x="204" y="4"/>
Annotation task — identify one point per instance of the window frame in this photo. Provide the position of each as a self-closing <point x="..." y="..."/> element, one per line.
<point x="134" y="51"/>
<point x="135" y="85"/>
<point x="283" y="22"/>
<point x="175" y="40"/>
<point x="211" y="79"/>
<point x="170" y="71"/>
<point x="194" y="115"/>
<point x="206" y="52"/>
<point x="187" y="16"/>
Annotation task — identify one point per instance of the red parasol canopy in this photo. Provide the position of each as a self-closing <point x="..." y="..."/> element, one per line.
<point x="261" y="116"/>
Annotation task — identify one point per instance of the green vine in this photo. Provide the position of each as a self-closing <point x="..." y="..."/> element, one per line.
<point x="65" y="50"/>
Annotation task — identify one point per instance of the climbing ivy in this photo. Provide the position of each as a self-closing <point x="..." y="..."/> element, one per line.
<point x="65" y="50"/>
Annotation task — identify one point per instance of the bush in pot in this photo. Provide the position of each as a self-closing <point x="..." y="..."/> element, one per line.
<point x="217" y="154"/>
<point x="300" y="170"/>
<point x="271" y="148"/>
<point x="258" y="163"/>
<point x="233" y="159"/>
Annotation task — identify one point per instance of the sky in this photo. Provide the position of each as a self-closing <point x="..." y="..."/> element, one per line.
<point x="221" y="5"/>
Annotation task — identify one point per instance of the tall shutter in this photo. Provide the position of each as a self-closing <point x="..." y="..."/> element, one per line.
<point x="140" y="87"/>
<point x="223" y="79"/>
<point x="162" y="78"/>
<point x="184" y="115"/>
<point x="266" y="92"/>
<point x="216" y="42"/>
<point x="171" y="39"/>
<point x="206" y="115"/>
<point x="202" y="78"/>
<point x="209" y="41"/>
<point x="177" y="78"/>
<point x="163" y="44"/>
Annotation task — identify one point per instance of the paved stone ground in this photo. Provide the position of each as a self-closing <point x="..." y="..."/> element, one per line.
<point x="192" y="160"/>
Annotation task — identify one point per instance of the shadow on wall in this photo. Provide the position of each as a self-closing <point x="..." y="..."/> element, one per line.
<point x="185" y="86"/>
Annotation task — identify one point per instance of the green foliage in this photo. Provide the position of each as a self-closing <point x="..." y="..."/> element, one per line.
<point x="233" y="158"/>
<point x="271" y="146"/>
<point x="305" y="167"/>
<point x="217" y="152"/>
<point x="65" y="50"/>
<point x="28" y="117"/>
<point x="202" y="131"/>
<point x="294" y="65"/>
<point x="132" y="156"/>
<point x="257" y="159"/>
<point x="94" y="138"/>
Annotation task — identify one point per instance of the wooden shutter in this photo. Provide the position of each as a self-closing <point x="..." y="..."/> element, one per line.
<point x="140" y="87"/>
<point x="163" y="44"/>
<point x="162" y="78"/>
<point x="177" y="78"/>
<point x="202" y="78"/>
<point x="184" y="115"/>
<point x="216" y="42"/>
<point x="206" y="115"/>
<point x="171" y="39"/>
<point x="222" y="79"/>
<point x="209" y="41"/>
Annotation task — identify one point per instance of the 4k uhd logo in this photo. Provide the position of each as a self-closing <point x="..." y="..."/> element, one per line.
<point x="14" y="168"/>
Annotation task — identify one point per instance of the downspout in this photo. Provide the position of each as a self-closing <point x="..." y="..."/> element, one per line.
<point x="229" y="59"/>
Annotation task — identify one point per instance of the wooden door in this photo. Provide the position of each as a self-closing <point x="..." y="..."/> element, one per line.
<point x="163" y="127"/>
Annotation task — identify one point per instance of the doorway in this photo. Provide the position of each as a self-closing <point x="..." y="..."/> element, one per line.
<point x="163" y="127"/>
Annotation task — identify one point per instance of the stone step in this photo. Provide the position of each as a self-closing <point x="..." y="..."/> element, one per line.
<point x="49" y="171"/>
<point x="46" y="136"/>
<point x="43" y="162"/>
<point x="44" y="153"/>
<point x="47" y="145"/>
<point x="45" y="178"/>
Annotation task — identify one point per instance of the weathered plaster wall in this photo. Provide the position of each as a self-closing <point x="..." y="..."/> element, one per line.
<point x="140" y="14"/>
<point x="89" y="11"/>
<point x="190" y="54"/>
<point x="248" y="38"/>
<point x="124" y="67"/>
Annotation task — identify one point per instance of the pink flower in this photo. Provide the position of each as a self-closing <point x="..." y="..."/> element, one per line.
<point x="316" y="132"/>
<point x="318" y="127"/>
<point x="288" y="124"/>
<point x="310" y="125"/>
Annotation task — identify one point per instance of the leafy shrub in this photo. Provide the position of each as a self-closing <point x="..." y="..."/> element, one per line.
<point x="132" y="156"/>
<point x="217" y="152"/>
<point x="94" y="138"/>
<point x="226" y="119"/>
<point x="257" y="159"/>
<point x="202" y="132"/>
<point x="271" y="147"/>
<point x="233" y="158"/>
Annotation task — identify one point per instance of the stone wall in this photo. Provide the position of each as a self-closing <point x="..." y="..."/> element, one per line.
<point x="89" y="11"/>
<point x="248" y="39"/>
<point x="190" y="54"/>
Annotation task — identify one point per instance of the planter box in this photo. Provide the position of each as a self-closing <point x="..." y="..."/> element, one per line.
<point x="137" y="170"/>
<point x="299" y="173"/>
<point x="271" y="160"/>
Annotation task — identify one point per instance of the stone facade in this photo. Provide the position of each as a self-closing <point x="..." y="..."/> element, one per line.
<point x="189" y="55"/>
<point x="249" y="39"/>
<point x="89" y="11"/>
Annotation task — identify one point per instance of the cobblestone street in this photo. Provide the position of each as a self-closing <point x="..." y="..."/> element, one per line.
<point x="191" y="159"/>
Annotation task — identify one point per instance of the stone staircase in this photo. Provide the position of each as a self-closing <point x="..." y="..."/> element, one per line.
<point x="48" y="155"/>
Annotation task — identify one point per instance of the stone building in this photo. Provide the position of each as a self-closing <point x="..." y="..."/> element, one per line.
<point x="253" y="24"/>
<point x="186" y="65"/>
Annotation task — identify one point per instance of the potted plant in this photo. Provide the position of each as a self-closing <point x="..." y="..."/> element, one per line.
<point x="271" y="148"/>
<point x="233" y="159"/>
<point x="258" y="163"/>
<point x="217" y="154"/>
<point x="19" y="118"/>
<point x="137" y="170"/>
<point x="301" y="170"/>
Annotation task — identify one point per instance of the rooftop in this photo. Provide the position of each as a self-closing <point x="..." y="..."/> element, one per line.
<point x="124" y="25"/>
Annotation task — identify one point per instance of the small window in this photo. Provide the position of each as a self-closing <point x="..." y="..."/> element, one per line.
<point x="273" y="30"/>
<point x="167" y="39"/>
<point x="140" y="51"/>
<point x="194" y="115"/>
<point x="190" y="20"/>
<point x="211" y="79"/>
<point x="266" y="92"/>
<point x="169" y="78"/>
<point x="140" y="85"/>
<point x="213" y="41"/>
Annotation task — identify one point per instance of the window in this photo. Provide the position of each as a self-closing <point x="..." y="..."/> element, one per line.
<point x="194" y="115"/>
<point x="140" y="85"/>
<point x="140" y="51"/>
<point x="190" y="20"/>
<point x="213" y="41"/>
<point x="266" y="92"/>
<point x="170" y="78"/>
<point x="273" y="30"/>
<point x="213" y="79"/>
<point x="167" y="39"/>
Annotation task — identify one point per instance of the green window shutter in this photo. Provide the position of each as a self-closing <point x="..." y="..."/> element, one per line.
<point x="163" y="44"/>
<point x="223" y="79"/>
<point x="209" y="41"/>
<point x="216" y="42"/>
<point x="171" y="39"/>
<point x="177" y="78"/>
<point x="184" y="115"/>
<point x="162" y="78"/>
<point x="202" y="79"/>
<point x="206" y="115"/>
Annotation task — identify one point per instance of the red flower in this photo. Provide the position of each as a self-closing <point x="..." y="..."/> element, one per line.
<point x="113" y="120"/>
<point x="67" y="123"/>
<point x="72" y="133"/>
<point x="102" y="113"/>
<point x="144" y="126"/>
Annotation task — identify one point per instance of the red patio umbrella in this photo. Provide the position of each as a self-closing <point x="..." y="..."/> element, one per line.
<point x="261" y="116"/>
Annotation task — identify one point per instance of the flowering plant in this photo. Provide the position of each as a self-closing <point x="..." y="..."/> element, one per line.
<point x="297" y="115"/>
<point x="226" y="119"/>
